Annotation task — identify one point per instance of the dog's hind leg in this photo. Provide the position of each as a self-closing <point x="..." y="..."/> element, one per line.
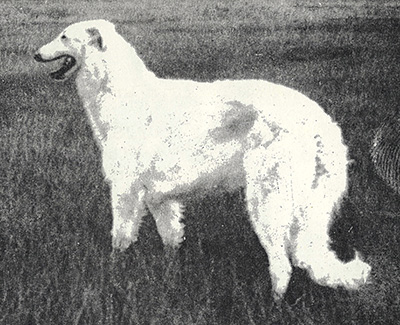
<point x="269" y="205"/>
<point x="168" y="216"/>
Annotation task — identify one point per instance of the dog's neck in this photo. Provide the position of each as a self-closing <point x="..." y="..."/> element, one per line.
<point x="103" y="72"/>
<point x="104" y="78"/>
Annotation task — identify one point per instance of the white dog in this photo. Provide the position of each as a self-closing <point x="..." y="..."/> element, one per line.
<point x="161" y="139"/>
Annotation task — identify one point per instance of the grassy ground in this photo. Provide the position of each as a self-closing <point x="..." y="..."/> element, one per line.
<point x="55" y="218"/>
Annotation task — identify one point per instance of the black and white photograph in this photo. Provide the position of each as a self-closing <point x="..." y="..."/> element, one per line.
<point x="199" y="162"/>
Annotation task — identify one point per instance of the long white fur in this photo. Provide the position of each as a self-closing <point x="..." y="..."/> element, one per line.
<point x="161" y="139"/>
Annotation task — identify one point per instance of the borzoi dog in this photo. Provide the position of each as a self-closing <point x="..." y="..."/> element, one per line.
<point x="161" y="139"/>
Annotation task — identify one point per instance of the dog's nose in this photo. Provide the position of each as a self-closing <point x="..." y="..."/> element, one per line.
<point x="38" y="57"/>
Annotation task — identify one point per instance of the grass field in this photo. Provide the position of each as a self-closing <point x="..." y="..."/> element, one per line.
<point x="55" y="214"/>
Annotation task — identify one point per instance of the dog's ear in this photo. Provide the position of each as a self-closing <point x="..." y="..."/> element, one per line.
<point x="96" y="39"/>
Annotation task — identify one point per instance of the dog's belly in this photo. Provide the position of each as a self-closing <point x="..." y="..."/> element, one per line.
<point x="198" y="168"/>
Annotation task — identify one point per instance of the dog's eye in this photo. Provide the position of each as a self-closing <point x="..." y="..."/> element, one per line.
<point x="63" y="37"/>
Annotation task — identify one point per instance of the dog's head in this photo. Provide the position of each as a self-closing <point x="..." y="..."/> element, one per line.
<point x="73" y="45"/>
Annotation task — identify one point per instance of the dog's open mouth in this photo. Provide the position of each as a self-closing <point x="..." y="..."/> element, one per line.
<point x="68" y="62"/>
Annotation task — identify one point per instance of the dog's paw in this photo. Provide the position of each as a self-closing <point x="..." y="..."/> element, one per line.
<point x="174" y="235"/>
<point x="168" y="217"/>
<point x="173" y="241"/>
<point x="121" y="240"/>
<point x="120" y="243"/>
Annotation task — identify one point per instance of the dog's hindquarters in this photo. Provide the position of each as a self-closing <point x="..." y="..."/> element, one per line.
<point x="310" y="236"/>
<point x="293" y="187"/>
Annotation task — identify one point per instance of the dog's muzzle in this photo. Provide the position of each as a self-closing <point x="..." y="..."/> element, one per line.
<point x="38" y="57"/>
<point x="68" y="63"/>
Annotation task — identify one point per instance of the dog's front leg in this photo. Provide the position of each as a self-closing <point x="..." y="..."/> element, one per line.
<point x="168" y="216"/>
<point x="128" y="208"/>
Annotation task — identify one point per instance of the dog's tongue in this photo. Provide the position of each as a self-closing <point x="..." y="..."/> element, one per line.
<point x="68" y="63"/>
